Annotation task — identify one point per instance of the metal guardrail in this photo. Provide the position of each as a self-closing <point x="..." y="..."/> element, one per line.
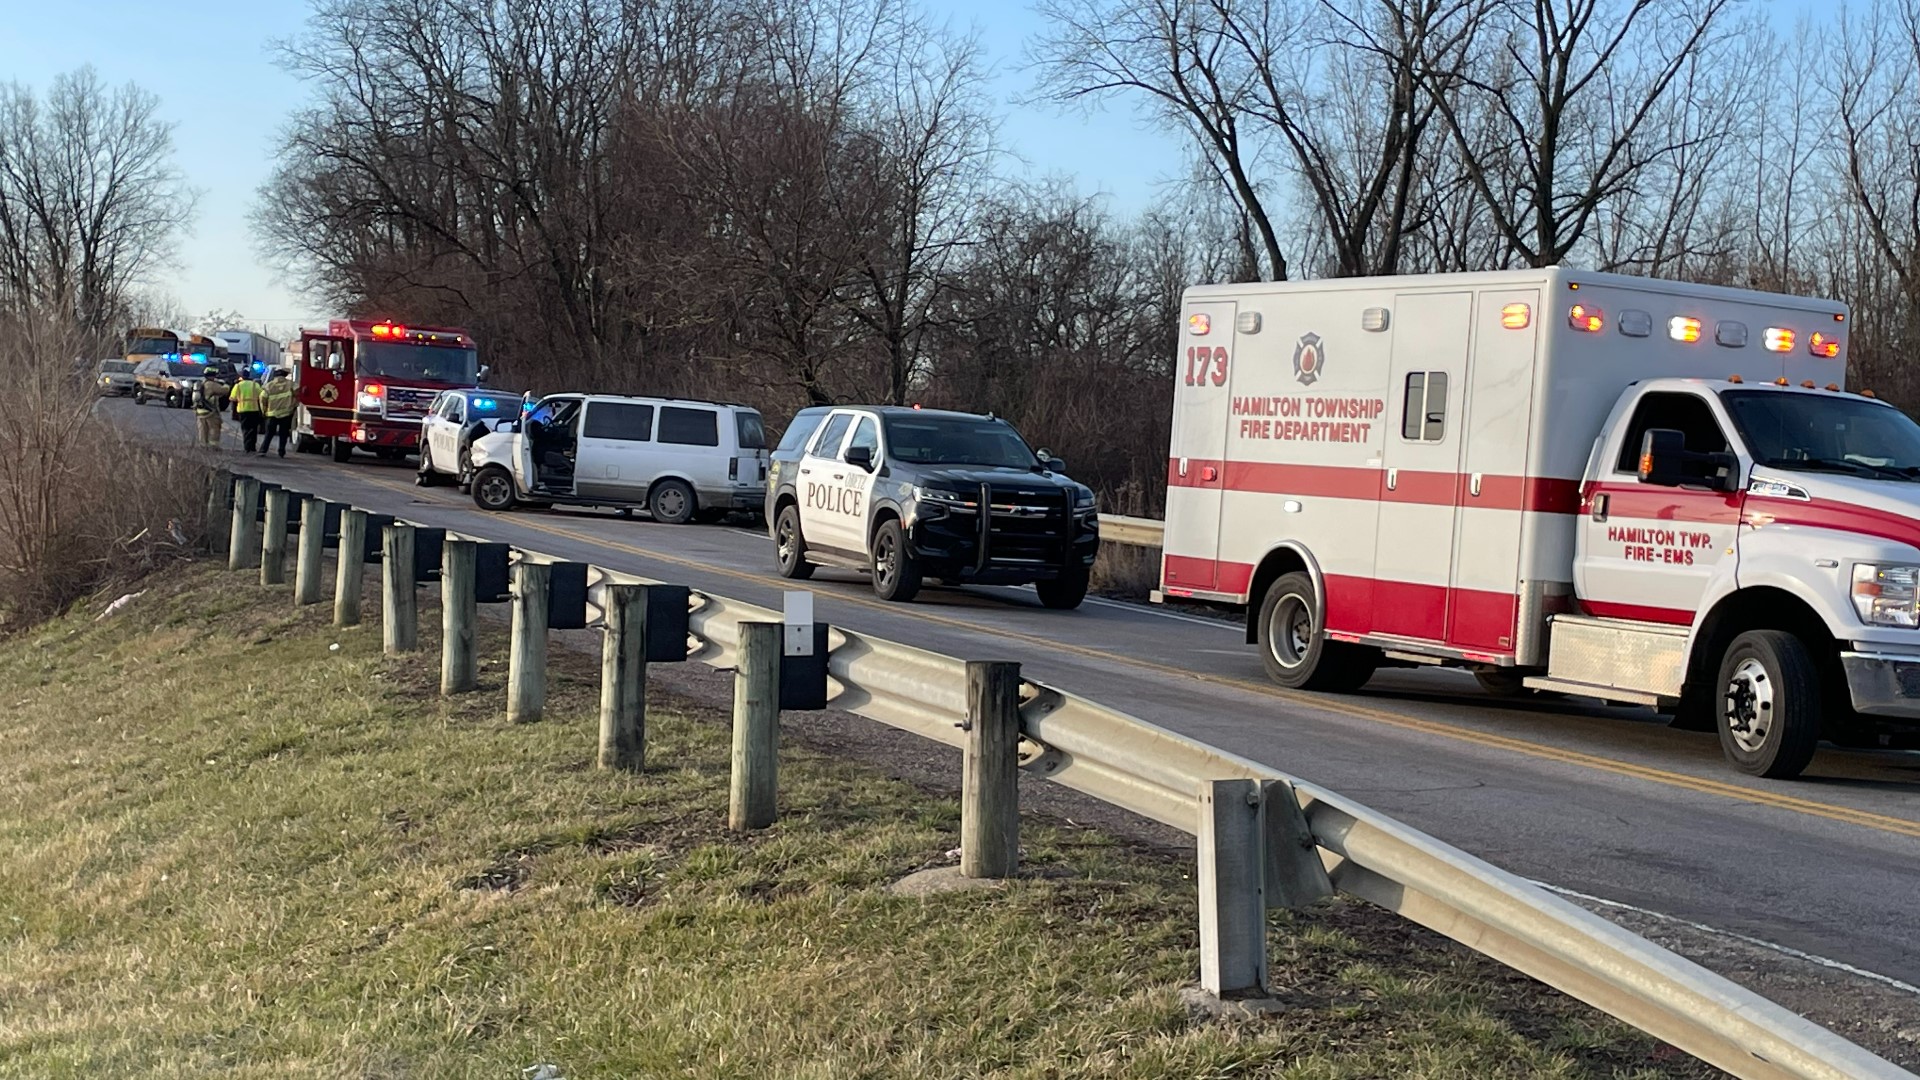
<point x="1162" y="775"/>
<point x="1139" y="532"/>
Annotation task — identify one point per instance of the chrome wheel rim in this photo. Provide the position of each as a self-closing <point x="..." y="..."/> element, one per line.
<point x="1750" y="705"/>
<point x="494" y="490"/>
<point x="786" y="536"/>
<point x="885" y="559"/>
<point x="1290" y="631"/>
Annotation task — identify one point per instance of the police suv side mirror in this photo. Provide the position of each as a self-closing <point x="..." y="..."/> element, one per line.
<point x="861" y="456"/>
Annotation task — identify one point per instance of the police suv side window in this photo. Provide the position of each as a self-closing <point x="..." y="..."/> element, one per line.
<point x="1424" y="411"/>
<point x="1689" y="414"/>
<point x="867" y="435"/>
<point x="828" y="444"/>
<point x="689" y="427"/>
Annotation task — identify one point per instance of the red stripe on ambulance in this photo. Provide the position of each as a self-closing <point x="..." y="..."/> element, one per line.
<point x="1537" y="494"/>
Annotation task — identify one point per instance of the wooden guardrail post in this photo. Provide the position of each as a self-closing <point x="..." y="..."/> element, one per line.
<point x="399" y="603"/>
<point x="1232" y="873"/>
<point x="273" y="539"/>
<point x="350" y="567"/>
<point x="990" y="789"/>
<point x="459" y="670"/>
<point x="219" y="515"/>
<point x="243" y="536"/>
<point x="527" y="653"/>
<point x="623" y="679"/>
<point x="313" y="546"/>
<point x="756" y="727"/>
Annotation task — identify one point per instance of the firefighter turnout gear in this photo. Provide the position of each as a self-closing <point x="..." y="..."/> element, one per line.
<point x="277" y="400"/>
<point x="208" y="401"/>
<point x="246" y="409"/>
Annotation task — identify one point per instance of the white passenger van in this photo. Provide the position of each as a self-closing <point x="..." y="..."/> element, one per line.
<point x="679" y="460"/>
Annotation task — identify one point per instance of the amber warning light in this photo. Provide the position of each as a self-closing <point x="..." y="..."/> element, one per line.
<point x="1585" y="318"/>
<point x="1198" y="325"/>
<point x="1516" y="316"/>
<point x="1825" y="345"/>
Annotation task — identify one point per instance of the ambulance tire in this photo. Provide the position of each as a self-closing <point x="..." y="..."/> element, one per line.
<point x="896" y="573"/>
<point x="790" y="548"/>
<point x="1301" y="658"/>
<point x="1768" y="705"/>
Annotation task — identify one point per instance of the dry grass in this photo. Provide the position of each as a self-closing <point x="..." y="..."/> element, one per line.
<point x="1126" y="571"/>
<point x="227" y="849"/>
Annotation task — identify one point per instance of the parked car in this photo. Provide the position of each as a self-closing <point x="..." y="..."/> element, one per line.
<point x="116" y="378"/>
<point x="454" y="420"/>
<point x="911" y="494"/>
<point x="679" y="460"/>
<point x="172" y="381"/>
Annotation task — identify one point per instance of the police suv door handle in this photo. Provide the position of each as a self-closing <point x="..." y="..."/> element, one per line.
<point x="839" y="476"/>
<point x="1600" y="506"/>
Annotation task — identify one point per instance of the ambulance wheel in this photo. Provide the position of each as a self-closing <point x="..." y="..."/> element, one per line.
<point x="789" y="546"/>
<point x="342" y="450"/>
<point x="672" y="503"/>
<point x="1769" y="707"/>
<point x="1296" y="654"/>
<point x="493" y="489"/>
<point x="1065" y="592"/>
<point x="896" y="573"/>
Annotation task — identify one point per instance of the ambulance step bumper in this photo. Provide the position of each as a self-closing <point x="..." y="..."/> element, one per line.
<point x="1884" y="684"/>
<point x="1604" y="693"/>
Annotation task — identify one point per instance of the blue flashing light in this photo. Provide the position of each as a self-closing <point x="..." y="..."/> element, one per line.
<point x="486" y="404"/>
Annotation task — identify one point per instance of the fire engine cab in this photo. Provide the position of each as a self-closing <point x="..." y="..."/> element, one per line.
<point x="369" y="384"/>
<point x="1640" y="491"/>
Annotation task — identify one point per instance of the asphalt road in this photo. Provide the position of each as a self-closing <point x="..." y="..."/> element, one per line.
<point x="1602" y="801"/>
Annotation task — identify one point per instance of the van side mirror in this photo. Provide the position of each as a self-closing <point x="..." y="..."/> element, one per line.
<point x="1665" y="461"/>
<point x="861" y="456"/>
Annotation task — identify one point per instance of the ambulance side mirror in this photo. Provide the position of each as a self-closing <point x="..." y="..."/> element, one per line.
<point x="1665" y="461"/>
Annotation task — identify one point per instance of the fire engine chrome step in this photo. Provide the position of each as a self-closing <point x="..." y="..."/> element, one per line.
<point x="1605" y="693"/>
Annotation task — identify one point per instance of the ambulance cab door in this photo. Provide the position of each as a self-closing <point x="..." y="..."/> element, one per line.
<point x="1196" y="471"/>
<point x="1420" y="477"/>
<point x="1646" y="551"/>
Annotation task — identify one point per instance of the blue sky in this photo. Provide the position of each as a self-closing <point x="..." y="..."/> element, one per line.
<point x="221" y="83"/>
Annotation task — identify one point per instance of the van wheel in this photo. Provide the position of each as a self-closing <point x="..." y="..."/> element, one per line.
<point x="789" y="546"/>
<point x="493" y="489"/>
<point x="1769" y="708"/>
<point x="896" y="573"/>
<point x="672" y="503"/>
<point x="1296" y="653"/>
<point x="342" y="450"/>
<point x="1065" y="592"/>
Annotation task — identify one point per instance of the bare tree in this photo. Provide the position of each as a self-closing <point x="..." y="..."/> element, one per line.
<point x="90" y="199"/>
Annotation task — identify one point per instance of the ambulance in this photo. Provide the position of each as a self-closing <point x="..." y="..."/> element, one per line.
<point x="1641" y="491"/>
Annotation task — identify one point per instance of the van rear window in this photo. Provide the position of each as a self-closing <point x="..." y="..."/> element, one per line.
<point x="689" y="427"/>
<point x="752" y="433"/>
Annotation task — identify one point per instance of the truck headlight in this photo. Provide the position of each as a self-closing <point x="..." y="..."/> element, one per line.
<point x="373" y="399"/>
<point x="1887" y="595"/>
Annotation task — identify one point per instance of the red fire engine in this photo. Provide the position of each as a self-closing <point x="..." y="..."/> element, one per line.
<point x="368" y="384"/>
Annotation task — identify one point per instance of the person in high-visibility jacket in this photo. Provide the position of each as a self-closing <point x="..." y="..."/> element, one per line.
<point x="246" y="409"/>
<point x="208" y="400"/>
<point x="277" y="401"/>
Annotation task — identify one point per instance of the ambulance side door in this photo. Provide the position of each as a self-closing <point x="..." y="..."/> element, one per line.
<point x="1196" y="471"/>
<point x="824" y="520"/>
<point x="1419" y="488"/>
<point x="1645" y="551"/>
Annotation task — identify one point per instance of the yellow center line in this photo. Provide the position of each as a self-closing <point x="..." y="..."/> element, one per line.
<point x="1755" y="796"/>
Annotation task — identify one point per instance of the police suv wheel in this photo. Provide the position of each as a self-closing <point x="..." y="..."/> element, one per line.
<point x="1296" y="653"/>
<point x="790" y="546"/>
<point x="1065" y="592"/>
<point x="426" y="477"/>
<point x="671" y="502"/>
<point x="896" y="573"/>
<point x="493" y="489"/>
<point x="1769" y="705"/>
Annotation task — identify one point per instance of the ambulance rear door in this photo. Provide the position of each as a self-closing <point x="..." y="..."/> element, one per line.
<point x="1196" y="471"/>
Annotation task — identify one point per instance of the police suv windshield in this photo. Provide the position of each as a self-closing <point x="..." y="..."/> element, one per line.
<point x="1826" y="433"/>
<point x="425" y="363"/>
<point x="956" y="440"/>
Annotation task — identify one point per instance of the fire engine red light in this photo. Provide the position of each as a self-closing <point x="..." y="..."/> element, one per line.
<point x="373" y="389"/>
<point x="399" y="331"/>
<point x="382" y="331"/>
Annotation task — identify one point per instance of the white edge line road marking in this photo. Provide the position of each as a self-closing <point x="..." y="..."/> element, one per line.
<point x="1784" y="950"/>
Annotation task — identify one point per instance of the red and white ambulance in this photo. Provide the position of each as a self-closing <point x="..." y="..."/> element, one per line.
<point x="1640" y="491"/>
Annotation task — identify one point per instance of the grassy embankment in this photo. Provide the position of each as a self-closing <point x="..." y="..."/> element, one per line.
<point x="227" y="850"/>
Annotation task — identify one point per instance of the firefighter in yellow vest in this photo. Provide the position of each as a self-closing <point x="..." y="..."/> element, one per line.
<point x="208" y="401"/>
<point x="246" y="409"/>
<point x="277" y="402"/>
